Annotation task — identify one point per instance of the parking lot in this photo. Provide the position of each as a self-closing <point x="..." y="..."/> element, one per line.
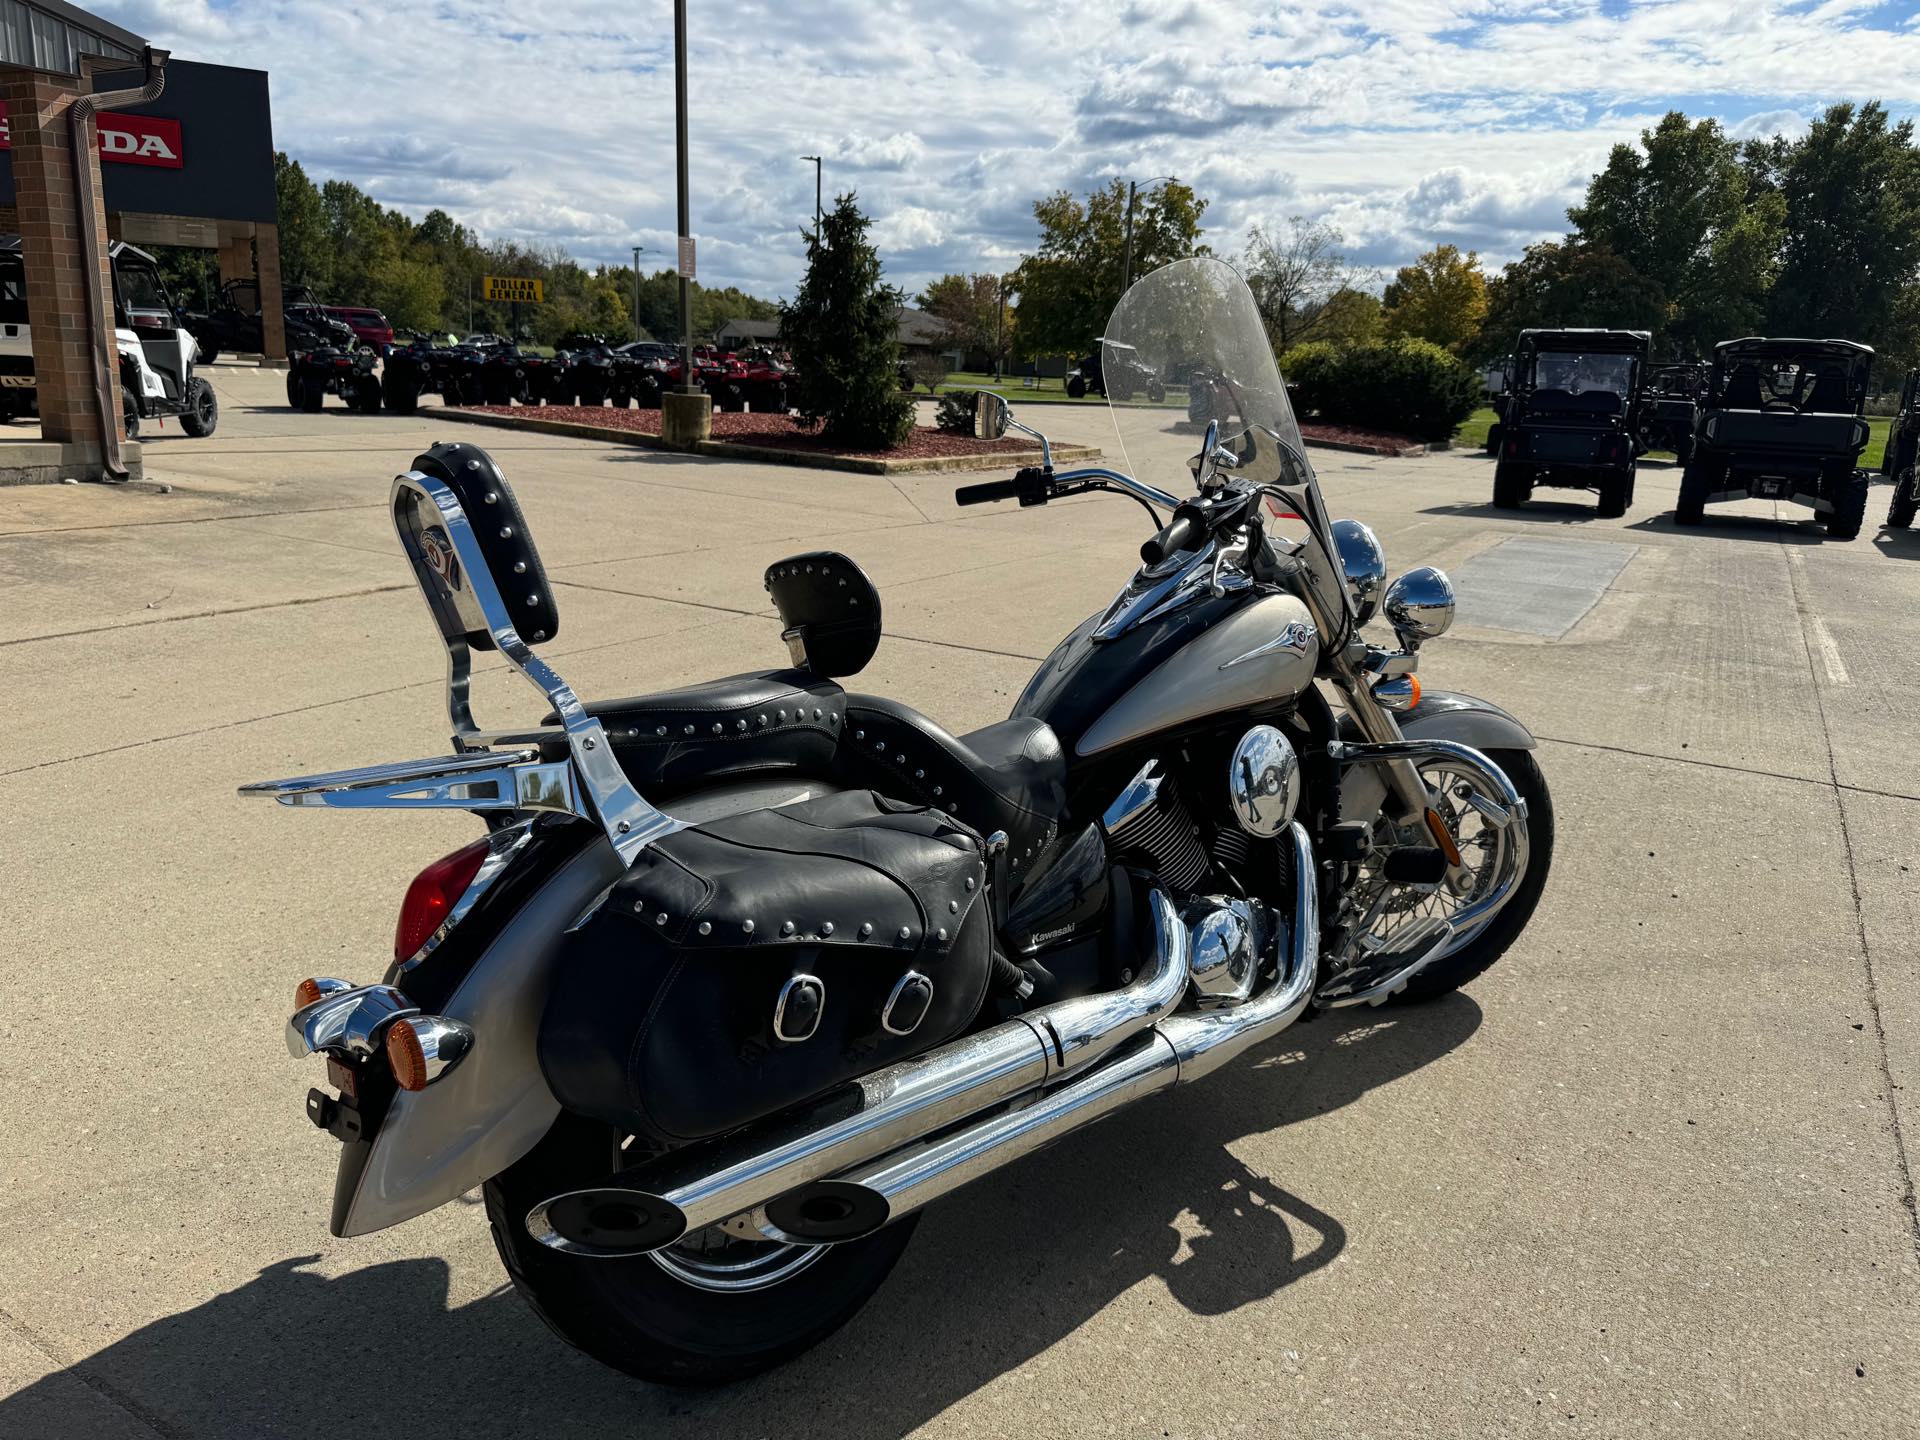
<point x="1652" y="1174"/>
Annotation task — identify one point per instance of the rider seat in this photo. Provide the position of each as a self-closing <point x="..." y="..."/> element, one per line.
<point x="799" y="723"/>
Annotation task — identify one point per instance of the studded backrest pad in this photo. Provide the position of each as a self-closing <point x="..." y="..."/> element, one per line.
<point x="830" y="611"/>
<point x="505" y="541"/>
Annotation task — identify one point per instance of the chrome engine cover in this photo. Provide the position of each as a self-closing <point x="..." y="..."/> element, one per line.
<point x="1224" y="949"/>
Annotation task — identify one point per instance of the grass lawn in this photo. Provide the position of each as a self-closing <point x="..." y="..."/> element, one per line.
<point x="1472" y="435"/>
<point x="1013" y="387"/>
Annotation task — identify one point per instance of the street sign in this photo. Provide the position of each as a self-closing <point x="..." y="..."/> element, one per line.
<point x="686" y="257"/>
<point x="506" y="287"/>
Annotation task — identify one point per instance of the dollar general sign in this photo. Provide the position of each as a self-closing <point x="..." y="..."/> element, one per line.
<point x="505" y="287"/>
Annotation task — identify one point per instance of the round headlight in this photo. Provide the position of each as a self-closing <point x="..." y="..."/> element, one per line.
<point x="1420" y="604"/>
<point x="1364" y="564"/>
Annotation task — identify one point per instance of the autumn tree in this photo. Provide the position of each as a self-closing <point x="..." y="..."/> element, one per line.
<point x="973" y="314"/>
<point x="1441" y="297"/>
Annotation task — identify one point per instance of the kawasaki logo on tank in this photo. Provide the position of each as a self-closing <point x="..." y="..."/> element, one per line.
<point x="127" y="139"/>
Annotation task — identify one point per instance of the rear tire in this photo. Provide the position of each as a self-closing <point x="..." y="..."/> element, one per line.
<point x="129" y="416"/>
<point x="366" y="395"/>
<point x="1849" y="506"/>
<point x="312" y="392"/>
<point x="1901" y="511"/>
<point x="1695" y="485"/>
<point x="1512" y="485"/>
<point x="635" y="1316"/>
<point x="1493" y="438"/>
<point x="1490" y="943"/>
<point x="203" y="410"/>
<point x="1616" y="494"/>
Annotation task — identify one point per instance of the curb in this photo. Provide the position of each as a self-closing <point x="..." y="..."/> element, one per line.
<point x="1390" y="452"/>
<point x="765" y="454"/>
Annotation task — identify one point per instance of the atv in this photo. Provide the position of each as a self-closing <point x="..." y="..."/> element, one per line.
<point x="1903" y="450"/>
<point x="1570" y="416"/>
<point x="1116" y="371"/>
<point x="1669" y="404"/>
<point x="1783" y="419"/>
<point x="333" y="369"/>
<point x="234" y="324"/>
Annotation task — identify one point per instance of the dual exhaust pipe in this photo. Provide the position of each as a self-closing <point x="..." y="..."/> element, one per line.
<point x="865" y="1161"/>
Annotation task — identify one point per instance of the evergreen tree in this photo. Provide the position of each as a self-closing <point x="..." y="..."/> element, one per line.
<point x="842" y="328"/>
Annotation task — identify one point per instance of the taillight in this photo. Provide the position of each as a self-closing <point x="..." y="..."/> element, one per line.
<point x="432" y="896"/>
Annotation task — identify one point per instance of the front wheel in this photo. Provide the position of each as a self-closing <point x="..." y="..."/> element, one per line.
<point x="1489" y="942"/>
<point x="203" y="410"/>
<point x="707" y="1310"/>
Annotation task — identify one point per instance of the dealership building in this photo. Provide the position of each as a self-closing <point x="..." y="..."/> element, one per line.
<point x="105" y="138"/>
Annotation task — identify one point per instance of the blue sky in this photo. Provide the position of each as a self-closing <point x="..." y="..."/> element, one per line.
<point x="1405" y="123"/>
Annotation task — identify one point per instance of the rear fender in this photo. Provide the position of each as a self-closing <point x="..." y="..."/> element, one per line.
<point x="484" y="1114"/>
<point x="1440" y="715"/>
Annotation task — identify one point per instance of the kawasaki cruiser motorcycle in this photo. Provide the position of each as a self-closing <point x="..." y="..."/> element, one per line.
<point x="743" y="976"/>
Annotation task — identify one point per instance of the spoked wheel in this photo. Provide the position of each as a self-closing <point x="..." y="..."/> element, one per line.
<point x="713" y="1307"/>
<point x="1488" y="853"/>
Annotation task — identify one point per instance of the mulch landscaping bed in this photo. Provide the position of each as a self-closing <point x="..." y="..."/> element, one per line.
<point x="1363" y="442"/>
<point x="764" y="436"/>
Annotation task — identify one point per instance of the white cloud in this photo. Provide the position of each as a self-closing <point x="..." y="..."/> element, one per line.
<point x="1406" y="122"/>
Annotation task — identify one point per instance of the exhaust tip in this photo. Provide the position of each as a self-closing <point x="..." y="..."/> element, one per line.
<point x="606" y="1222"/>
<point x="829" y="1210"/>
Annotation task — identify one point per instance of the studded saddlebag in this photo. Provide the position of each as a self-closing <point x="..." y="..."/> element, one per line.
<point x="755" y="961"/>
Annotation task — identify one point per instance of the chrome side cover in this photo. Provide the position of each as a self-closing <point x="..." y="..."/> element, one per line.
<point x="1265" y="651"/>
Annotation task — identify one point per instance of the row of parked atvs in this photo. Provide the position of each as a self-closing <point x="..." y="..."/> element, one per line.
<point x="583" y="370"/>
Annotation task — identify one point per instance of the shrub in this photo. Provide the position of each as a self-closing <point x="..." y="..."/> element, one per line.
<point x="928" y="369"/>
<point x="953" y="412"/>
<point x="1409" y="387"/>
<point x="842" y="328"/>
<point x="1309" y="371"/>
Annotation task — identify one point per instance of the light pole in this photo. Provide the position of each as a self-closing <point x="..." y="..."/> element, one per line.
<point x="636" y="290"/>
<point x="687" y="384"/>
<point x="1133" y="189"/>
<point x="816" y="194"/>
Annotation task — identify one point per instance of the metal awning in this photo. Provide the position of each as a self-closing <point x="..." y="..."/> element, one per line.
<point x="52" y="35"/>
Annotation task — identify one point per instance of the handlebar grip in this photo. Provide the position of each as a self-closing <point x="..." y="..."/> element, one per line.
<point x="987" y="492"/>
<point x="1184" y="532"/>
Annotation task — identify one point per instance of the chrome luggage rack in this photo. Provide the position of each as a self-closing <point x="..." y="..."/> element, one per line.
<point x="568" y="769"/>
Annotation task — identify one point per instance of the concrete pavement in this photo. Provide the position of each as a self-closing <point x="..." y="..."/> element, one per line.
<point x="1651" y="1175"/>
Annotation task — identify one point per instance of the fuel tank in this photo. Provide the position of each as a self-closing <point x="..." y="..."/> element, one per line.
<point x="1209" y="658"/>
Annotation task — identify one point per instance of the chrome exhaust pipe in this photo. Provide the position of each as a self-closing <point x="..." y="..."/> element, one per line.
<point x="1181" y="1048"/>
<point x="654" y="1205"/>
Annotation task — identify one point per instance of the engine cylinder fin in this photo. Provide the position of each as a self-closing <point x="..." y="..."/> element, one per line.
<point x="1162" y="834"/>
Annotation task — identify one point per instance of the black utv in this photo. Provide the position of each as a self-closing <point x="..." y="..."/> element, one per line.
<point x="1669" y="405"/>
<point x="1903" y="449"/>
<point x="1783" y="419"/>
<point x="1116" y="371"/>
<point x="1569" y="418"/>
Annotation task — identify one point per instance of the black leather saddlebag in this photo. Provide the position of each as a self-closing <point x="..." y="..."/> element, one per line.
<point x="753" y="962"/>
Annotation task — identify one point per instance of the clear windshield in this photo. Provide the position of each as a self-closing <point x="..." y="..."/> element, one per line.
<point x="1578" y="374"/>
<point x="1186" y="346"/>
<point x="1186" y="351"/>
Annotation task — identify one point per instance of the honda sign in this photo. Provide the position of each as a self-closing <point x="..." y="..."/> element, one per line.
<point x="127" y="139"/>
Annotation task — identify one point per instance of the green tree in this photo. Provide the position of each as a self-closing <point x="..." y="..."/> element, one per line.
<point x="841" y="329"/>
<point x="1441" y="297"/>
<point x="973" y="314"/>
<point x="1850" y="189"/>
<point x="303" y="243"/>
<point x="1350" y="317"/>
<point x="1071" y="283"/>
<point x="1557" y="284"/>
<point x="1683" y="211"/>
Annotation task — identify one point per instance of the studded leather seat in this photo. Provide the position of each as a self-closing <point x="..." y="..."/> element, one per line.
<point x="1010" y="776"/>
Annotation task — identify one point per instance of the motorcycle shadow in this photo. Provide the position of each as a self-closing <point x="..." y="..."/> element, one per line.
<point x="996" y="1276"/>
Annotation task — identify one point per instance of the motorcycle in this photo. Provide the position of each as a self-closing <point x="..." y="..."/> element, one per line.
<point x="745" y="975"/>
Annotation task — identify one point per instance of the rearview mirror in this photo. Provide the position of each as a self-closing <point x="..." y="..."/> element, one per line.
<point x="991" y="415"/>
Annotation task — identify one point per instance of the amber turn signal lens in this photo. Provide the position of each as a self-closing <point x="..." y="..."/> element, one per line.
<point x="1413" y="690"/>
<point x="305" y="993"/>
<point x="404" y="1054"/>
<point x="1443" y="837"/>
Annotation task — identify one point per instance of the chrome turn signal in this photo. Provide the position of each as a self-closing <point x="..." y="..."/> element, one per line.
<point x="422" y="1048"/>
<point x="1402" y="692"/>
<point x="316" y="988"/>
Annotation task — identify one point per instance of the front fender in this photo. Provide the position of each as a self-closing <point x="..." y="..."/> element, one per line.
<point x="1440" y="715"/>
